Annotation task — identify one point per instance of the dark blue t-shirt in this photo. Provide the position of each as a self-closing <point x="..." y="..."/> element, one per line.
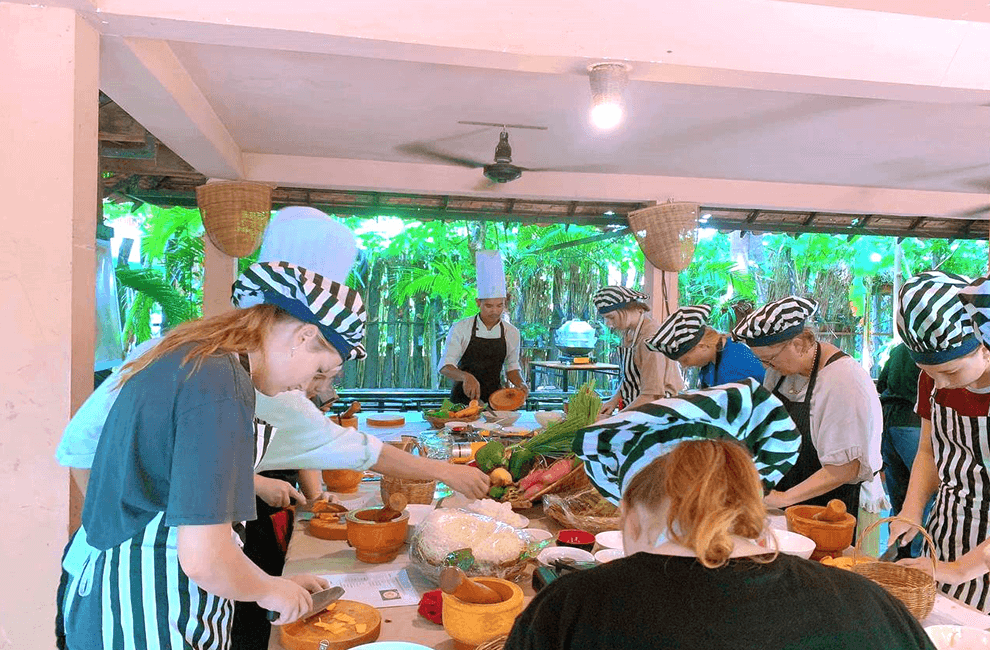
<point x="176" y="441"/>
<point x="736" y="363"/>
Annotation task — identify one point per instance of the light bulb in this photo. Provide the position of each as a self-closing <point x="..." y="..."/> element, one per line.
<point x="606" y="116"/>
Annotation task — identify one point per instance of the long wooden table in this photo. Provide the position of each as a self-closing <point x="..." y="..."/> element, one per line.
<point x="308" y="554"/>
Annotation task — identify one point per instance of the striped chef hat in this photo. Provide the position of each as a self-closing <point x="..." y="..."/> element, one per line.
<point x="333" y="307"/>
<point x="933" y="320"/>
<point x="618" y="448"/>
<point x="681" y="331"/>
<point x="976" y="299"/>
<point x="612" y="298"/>
<point x="780" y="320"/>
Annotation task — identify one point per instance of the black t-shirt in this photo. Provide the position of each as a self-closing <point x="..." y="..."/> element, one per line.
<point x="175" y="441"/>
<point x="663" y="602"/>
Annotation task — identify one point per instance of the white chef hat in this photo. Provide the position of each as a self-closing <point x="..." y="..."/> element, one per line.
<point x="491" y="275"/>
<point x="306" y="237"/>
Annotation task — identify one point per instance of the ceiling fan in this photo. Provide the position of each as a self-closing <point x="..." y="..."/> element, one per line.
<point x="501" y="170"/>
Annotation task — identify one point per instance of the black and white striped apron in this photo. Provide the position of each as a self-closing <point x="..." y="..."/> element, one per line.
<point x="631" y="385"/>
<point x="959" y="517"/>
<point x="139" y="593"/>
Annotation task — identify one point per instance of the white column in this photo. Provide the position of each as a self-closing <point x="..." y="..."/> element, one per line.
<point x="49" y="63"/>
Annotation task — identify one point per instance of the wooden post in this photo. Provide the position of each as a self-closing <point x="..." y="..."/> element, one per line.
<point x="219" y="273"/>
<point x="664" y="296"/>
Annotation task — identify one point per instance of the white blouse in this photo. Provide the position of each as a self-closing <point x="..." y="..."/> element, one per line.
<point x="846" y="417"/>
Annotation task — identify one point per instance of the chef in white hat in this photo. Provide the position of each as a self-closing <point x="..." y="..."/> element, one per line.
<point x="480" y="347"/>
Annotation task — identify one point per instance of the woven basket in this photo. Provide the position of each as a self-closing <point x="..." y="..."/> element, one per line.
<point x="667" y="234"/>
<point x="415" y="490"/>
<point x="913" y="587"/>
<point x="584" y="509"/>
<point x="438" y="423"/>
<point x="235" y="214"/>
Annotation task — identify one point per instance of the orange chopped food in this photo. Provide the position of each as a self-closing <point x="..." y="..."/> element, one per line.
<point x="345" y="618"/>
<point x="361" y="628"/>
<point x="323" y="625"/>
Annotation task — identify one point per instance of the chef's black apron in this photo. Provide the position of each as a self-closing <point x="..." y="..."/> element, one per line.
<point x="483" y="358"/>
<point x="808" y="462"/>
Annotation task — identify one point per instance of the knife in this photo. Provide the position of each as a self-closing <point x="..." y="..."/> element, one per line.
<point x="320" y="601"/>
<point x="890" y="554"/>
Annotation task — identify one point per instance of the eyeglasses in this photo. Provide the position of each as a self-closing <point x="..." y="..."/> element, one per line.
<point x="769" y="362"/>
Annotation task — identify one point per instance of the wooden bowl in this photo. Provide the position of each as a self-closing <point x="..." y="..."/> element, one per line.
<point x="342" y="480"/>
<point x="507" y="399"/>
<point x="470" y="624"/>
<point x="350" y="422"/>
<point x="306" y="635"/>
<point x="376" y="542"/>
<point x="829" y="537"/>
<point x="329" y="526"/>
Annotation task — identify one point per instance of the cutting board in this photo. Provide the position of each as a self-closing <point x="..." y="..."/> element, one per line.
<point x="386" y="420"/>
<point x="312" y="634"/>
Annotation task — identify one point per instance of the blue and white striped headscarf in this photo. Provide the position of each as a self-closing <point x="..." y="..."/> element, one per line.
<point x="611" y="298"/>
<point x="775" y="322"/>
<point x="333" y="307"/>
<point x="681" y="331"/>
<point x="616" y="449"/>
<point x="933" y="319"/>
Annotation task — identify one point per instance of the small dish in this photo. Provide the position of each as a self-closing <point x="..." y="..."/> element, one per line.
<point x="505" y="418"/>
<point x="515" y="432"/>
<point x="545" y="418"/>
<point x="957" y="637"/>
<point x="538" y="534"/>
<point x="791" y="543"/>
<point x="576" y="538"/>
<point x="549" y="554"/>
<point x="610" y="539"/>
<point x="609" y="554"/>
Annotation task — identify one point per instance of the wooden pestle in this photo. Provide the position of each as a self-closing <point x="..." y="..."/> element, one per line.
<point x="396" y="504"/>
<point x="454" y="582"/>
<point x="834" y="511"/>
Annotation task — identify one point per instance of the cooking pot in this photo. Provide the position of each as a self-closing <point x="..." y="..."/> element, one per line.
<point x="576" y="338"/>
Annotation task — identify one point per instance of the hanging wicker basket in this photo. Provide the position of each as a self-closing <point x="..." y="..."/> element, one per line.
<point x="913" y="587"/>
<point x="235" y="214"/>
<point x="667" y="234"/>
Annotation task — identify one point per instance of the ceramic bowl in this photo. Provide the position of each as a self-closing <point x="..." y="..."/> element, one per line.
<point x="958" y="637"/>
<point x="376" y="542"/>
<point x="417" y="513"/>
<point x="610" y="539"/>
<point x="505" y="418"/>
<point x="538" y="534"/>
<point x="544" y="418"/>
<point x="471" y="624"/>
<point x="609" y="554"/>
<point x="342" y="480"/>
<point x="575" y="538"/>
<point x="792" y="543"/>
<point x="548" y="555"/>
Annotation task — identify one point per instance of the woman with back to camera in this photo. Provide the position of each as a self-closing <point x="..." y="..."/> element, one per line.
<point x="698" y="571"/>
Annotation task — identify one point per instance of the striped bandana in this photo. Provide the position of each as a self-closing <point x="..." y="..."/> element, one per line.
<point x="616" y="449"/>
<point x="934" y="320"/>
<point x="976" y="299"/>
<point x="612" y="298"/>
<point x="681" y="331"/>
<point x="780" y="320"/>
<point x="333" y="307"/>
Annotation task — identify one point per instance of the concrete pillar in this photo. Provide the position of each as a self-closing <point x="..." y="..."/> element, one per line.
<point x="49" y="63"/>
<point x="219" y="273"/>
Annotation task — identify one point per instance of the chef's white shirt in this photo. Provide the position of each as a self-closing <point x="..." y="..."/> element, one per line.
<point x="459" y="337"/>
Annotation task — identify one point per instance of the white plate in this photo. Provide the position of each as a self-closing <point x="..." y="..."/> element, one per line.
<point x="958" y="637"/>
<point x="548" y="555"/>
<point x="538" y="534"/>
<point x="610" y="539"/>
<point x="792" y="543"/>
<point x="609" y="554"/>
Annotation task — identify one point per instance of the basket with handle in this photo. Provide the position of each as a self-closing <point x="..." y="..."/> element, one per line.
<point x="235" y="214"/>
<point x="667" y="233"/>
<point x="494" y="644"/>
<point x="415" y="490"/>
<point x="913" y="587"/>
